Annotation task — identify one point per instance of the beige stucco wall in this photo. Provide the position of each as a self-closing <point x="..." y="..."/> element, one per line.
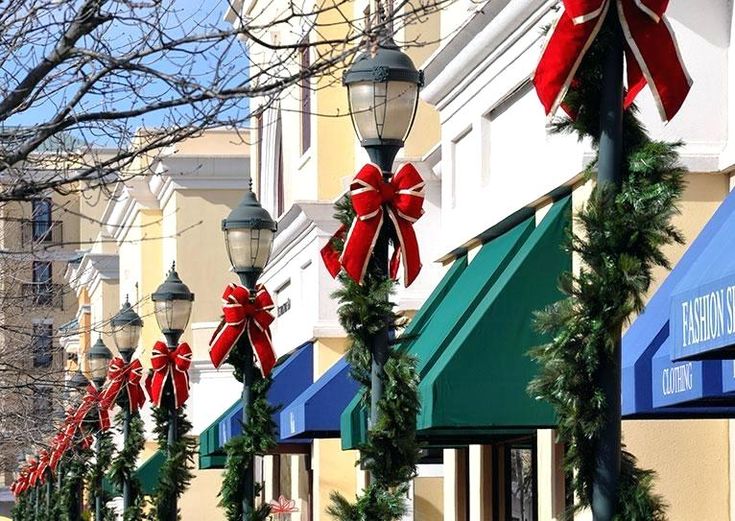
<point x="428" y="501"/>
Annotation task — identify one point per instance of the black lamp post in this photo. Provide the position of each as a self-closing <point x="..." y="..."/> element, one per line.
<point x="126" y="328"/>
<point x="172" y="303"/>
<point x="383" y="93"/>
<point x="76" y="386"/>
<point x="98" y="360"/>
<point x="249" y="231"/>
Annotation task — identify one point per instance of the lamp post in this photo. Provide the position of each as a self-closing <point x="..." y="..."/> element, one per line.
<point x="249" y="231"/>
<point x="126" y="328"/>
<point x="172" y="303"/>
<point x="98" y="360"/>
<point x="383" y="92"/>
<point x="76" y="386"/>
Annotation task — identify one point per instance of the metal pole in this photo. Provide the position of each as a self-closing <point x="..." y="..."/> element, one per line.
<point x="610" y="173"/>
<point x="382" y="156"/>
<point x="248" y="374"/>
<point x="49" y="479"/>
<point x="126" y="479"/>
<point x="35" y="502"/>
<point x="172" y="341"/>
<point x="127" y="416"/>
<point x="98" y="484"/>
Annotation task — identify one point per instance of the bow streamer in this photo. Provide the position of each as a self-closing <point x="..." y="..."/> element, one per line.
<point x="43" y="466"/>
<point x="125" y="376"/>
<point x="91" y="399"/>
<point x="651" y="52"/>
<point x="170" y="363"/>
<point x="402" y="198"/>
<point x="243" y="314"/>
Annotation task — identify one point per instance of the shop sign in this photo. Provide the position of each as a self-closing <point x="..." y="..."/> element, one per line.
<point x="702" y="321"/>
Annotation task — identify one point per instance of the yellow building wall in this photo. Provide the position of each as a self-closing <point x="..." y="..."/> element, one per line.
<point x="334" y="469"/>
<point x="428" y="504"/>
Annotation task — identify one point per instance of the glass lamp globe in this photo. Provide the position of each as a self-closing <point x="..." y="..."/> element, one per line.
<point x="172" y="303"/>
<point x="249" y="232"/>
<point x="126" y="328"/>
<point x="98" y="359"/>
<point x="383" y="93"/>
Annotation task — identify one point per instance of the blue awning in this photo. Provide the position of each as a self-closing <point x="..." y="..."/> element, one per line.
<point x="316" y="412"/>
<point x="290" y="379"/>
<point x="654" y="385"/>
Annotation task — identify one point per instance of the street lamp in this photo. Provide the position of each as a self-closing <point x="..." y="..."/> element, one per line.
<point x="98" y="360"/>
<point x="172" y="306"/>
<point x="172" y="303"/>
<point x="126" y="329"/>
<point x="249" y="231"/>
<point x="383" y="93"/>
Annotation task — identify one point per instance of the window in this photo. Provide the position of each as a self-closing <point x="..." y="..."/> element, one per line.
<point x="41" y="214"/>
<point x="42" y="406"/>
<point x="283" y="298"/>
<point x="305" y="91"/>
<point x="42" y="289"/>
<point x="520" y="464"/>
<point x="42" y="345"/>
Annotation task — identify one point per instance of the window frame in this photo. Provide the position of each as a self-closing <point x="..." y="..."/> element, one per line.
<point x="42" y="345"/>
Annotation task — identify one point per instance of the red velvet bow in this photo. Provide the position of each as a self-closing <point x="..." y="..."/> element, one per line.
<point x="43" y="466"/>
<point x="651" y="53"/>
<point x="21" y="484"/>
<point x="32" y="474"/>
<point x="402" y="199"/>
<point x="58" y="447"/>
<point x="240" y="315"/>
<point x="93" y="398"/>
<point x="174" y="363"/>
<point x="125" y="376"/>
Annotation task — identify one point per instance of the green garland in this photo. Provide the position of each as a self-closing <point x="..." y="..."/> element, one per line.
<point x="391" y="452"/>
<point x="74" y="464"/>
<point x="175" y="474"/>
<point x="619" y="243"/>
<point x="257" y="439"/>
<point x="22" y="510"/>
<point x="103" y="451"/>
<point x="125" y="464"/>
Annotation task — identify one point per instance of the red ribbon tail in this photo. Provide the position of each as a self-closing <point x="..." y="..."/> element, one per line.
<point x="409" y="249"/>
<point x="359" y="246"/>
<point x="262" y="348"/>
<point x="657" y="55"/>
<point x="561" y="58"/>
<point x="329" y="253"/>
<point x="223" y="341"/>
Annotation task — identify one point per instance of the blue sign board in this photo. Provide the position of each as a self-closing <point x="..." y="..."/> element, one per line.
<point x="702" y="320"/>
<point x="674" y="383"/>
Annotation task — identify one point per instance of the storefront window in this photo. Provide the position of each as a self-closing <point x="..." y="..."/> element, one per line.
<point x="520" y="492"/>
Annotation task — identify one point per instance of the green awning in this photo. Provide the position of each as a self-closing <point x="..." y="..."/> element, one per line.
<point x="472" y="336"/>
<point x="147" y="473"/>
<point x="211" y="454"/>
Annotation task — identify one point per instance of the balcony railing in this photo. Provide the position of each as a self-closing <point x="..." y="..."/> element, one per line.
<point x="44" y="294"/>
<point x="43" y="233"/>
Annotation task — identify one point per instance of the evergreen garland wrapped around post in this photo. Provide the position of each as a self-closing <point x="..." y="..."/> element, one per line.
<point x="175" y="474"/>
<point x="21" y="510"/>
<point x="75" y="463"/>
<point x="257" y="439"/>
<point x="619" y="244"/>
<point x="391" y="452"/>
<point x="96" y="473"/>
<point x="125" y="464"/>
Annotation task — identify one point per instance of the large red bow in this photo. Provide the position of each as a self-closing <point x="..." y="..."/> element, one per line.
<point x="32" y="474"/>
<point x="93" y="398"/>
<point x="402" y="198"/>
<point x="58" y="447"/>
<point x="20" y="485"/>
<point x="43" y="466"/>
<point x="125" y="376"/>
<point x="240" y="315"/>
<point x="651" y="53"/>
<point x="174" y="363"/>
